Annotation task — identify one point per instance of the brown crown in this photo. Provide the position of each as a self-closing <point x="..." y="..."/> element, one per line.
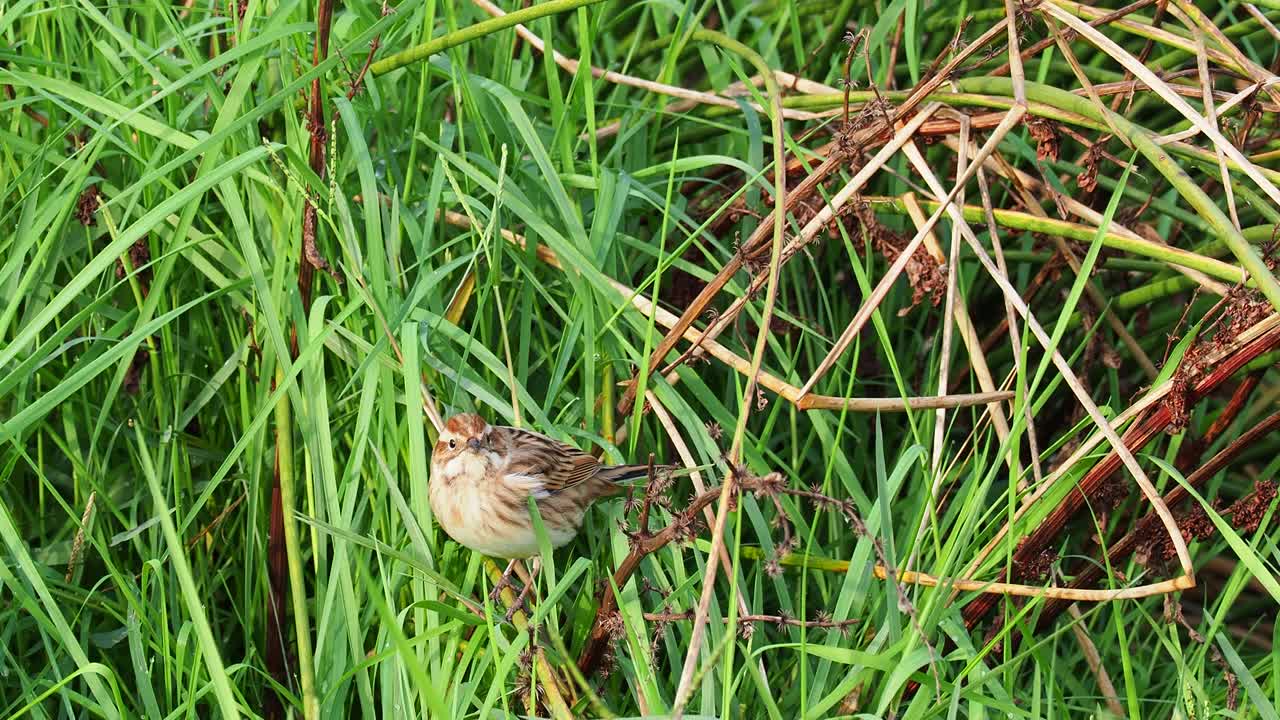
<point x="466" y="425"/>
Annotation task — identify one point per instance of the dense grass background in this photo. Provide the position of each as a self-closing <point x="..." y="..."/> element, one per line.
<point x="150" y="395"/>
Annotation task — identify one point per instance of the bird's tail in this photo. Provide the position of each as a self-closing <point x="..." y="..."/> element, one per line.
<point x="617" y="474"/>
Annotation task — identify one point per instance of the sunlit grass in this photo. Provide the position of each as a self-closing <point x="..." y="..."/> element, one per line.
<point x="147" y="360"/>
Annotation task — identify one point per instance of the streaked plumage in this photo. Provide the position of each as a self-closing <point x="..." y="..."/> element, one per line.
<point x="482" y="476"/>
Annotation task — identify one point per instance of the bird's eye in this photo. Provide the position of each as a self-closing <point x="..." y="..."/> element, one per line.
<point x="453" y="444"/>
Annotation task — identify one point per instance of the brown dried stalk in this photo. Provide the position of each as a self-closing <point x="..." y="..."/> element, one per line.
<point x="277" y="579"/>
<point x="571" y="66"/>
<point x="1135" y="438"/>
<point x="27" y="109"/>
<point x="988" y="120"/>
<point x="1041" y="45"/>
<point x="779" y="620"/>
<point x="683" y="527"/>
<point x="357" y="82"/>
<point x="869" y="305"/>
<point x="1149" y="526"/>
<point x="643" y="543"/>
<point x="277" y="592"/>
<point x="1192" y="449"/>
<point x="771" y="382"/>
<point x="214" y="523"/>
<point x="316" y="123"/>
<point x="1142" y="56"/>
<point x="758" y="242"/>
<point x="811" y="230"/>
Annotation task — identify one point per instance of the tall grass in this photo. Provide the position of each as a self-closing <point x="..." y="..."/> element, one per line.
<point x="161" y="372"/>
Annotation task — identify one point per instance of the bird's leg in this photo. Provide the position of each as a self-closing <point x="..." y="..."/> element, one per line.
<point x="528" y="586"/>
<point x="503" y="581"/>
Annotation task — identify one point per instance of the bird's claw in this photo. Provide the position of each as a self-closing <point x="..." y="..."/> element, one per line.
<point x="520" y="603"/>
<point x="503" y="582"/>
<point x="496" y="594"/>
<point x="516" y="607"/>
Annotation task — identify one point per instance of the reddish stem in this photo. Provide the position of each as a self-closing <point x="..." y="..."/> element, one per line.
<point x="642" y="545"/>
<point x="1150" y="526"/>
<point x="310" y="259"/>
<point x="1138" y="435"/>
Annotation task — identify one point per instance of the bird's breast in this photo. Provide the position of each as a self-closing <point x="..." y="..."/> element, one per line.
<point x="480" y="509"/>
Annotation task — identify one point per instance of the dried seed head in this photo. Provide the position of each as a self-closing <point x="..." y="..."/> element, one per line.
<point x="1247" y="512"/>
<point x="87" y="206"/>
<point x="614" y="626"/>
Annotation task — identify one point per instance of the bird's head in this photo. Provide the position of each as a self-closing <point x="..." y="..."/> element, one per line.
<point x="464" y="433"/>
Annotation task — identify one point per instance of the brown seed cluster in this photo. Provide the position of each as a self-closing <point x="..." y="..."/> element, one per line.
<point x="1246" y="513"/>
<point x="87" y="206"/>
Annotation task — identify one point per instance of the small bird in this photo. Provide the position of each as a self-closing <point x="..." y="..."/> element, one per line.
<point x="483" y="475"/>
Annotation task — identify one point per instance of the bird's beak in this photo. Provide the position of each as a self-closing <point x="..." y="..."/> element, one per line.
<point x="474" y="443"/>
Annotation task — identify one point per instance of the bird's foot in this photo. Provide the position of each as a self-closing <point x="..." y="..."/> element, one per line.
<point x="520" y="603"/>
<point x="503" y="582"/>
<point x="495" y="595"/>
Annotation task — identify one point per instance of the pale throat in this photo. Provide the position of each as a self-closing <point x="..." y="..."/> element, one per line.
<point x="469" y="466"/>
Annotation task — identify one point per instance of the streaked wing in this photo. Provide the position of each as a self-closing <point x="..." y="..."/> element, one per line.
<point x="552" y="465"/>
